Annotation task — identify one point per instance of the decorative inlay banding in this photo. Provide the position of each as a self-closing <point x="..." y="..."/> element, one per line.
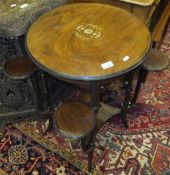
<point x="88" y="31"/>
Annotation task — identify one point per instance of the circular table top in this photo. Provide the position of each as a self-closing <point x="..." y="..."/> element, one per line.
<point x="88" y="41"/>
<point x="17" y="15"/>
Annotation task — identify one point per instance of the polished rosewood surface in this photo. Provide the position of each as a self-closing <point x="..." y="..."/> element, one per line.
<point x="17" y="15"/>
<point x="88" y="41"/>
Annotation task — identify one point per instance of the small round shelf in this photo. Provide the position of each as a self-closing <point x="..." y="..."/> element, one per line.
<point x="19" y="68"/>
<point x="156" y="61"/>
<point x="74" y="120"/>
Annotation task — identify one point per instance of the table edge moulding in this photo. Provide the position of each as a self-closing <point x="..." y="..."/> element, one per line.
<point x="131" y="41"/>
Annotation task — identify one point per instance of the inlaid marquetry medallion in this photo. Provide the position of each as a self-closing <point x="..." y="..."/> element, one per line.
<point x="88" y="31"/>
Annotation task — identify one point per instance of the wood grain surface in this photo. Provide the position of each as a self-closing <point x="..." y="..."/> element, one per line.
<point x="19" y="66"/>
<point x="161" y="24"/>
<point x="74" y="120"/>
<point x="156" y="61"/>
<point x="88" y="41"/>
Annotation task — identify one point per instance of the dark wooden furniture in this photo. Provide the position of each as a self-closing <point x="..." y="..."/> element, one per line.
<point x="15" y="18"/>
<point x="161" y="25"/>
<point x="19" y="69"/>
<point x="91" y="49"/>
<point x="20" y="88"/>
<point x="75" y="120"/>
<point x="156" y="61"/>
<point x="77" y="43"/>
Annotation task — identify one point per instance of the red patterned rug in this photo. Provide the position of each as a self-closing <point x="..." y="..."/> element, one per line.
<point x="143" y="149"/>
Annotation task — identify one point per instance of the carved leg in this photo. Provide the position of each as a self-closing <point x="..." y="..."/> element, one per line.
<point x="46" y="105"/>
<point x="20" y="45"/>
<point x="34" y="92"/>
<point x="35" y="98"/>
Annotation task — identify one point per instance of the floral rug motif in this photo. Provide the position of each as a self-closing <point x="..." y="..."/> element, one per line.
<point x="142" y="149"/>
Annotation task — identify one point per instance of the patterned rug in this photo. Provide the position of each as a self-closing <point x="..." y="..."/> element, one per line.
<point x="143" y="149"/>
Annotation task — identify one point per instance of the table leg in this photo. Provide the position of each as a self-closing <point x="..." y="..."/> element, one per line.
<point x="88" y="145"/>
<point x="95" y="105"/>
<point x="141" y="79"/>
<point x="46" y="103"/>
<point x="95" y="96"/>
<point x="91" y="149"/>
<point x="128" y="86"/>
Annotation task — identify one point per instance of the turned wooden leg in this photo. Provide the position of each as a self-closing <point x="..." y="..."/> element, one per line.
<point x="91" y="149"/>
<point x="141" y="79"/>
<point x="88" y="144"/>
<point x="95" y="96"/>
<point x="90" y="157"/>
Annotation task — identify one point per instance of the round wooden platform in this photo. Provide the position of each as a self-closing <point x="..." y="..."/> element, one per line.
<point x="74" y="120"/>
<point x="19" y="67"/>
<point x="156" y="61"/>
<point x="88" y="41"/>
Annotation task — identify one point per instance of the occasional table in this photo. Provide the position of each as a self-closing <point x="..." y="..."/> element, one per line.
<point x="89" y="43"/>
